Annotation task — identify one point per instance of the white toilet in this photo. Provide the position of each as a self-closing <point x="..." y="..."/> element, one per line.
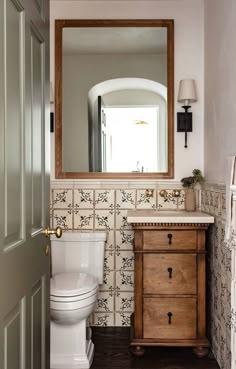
<point x="77" y="270"/>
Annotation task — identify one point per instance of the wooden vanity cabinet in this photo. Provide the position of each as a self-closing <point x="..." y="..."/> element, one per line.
<point x="169" y="287"/>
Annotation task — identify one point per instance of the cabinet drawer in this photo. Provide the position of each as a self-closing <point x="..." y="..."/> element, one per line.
<point x="169" y="274"/>
<point x="169" y="240"/>
<point x="169" y="318"/>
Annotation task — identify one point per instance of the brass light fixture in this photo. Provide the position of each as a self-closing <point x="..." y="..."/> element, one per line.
<point x="187" y="94"/>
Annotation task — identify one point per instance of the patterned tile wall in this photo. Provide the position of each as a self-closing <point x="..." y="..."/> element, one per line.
<point x="106" y="209"/>
<point x="219" y="276"/>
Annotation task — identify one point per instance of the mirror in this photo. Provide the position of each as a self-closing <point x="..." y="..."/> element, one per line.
<point x="114" y="98"/>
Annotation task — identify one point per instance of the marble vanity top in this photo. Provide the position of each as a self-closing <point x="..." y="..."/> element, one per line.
<point x="157" y="216"/>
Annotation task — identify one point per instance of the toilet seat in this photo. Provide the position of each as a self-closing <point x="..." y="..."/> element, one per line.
<point x="70" y="291"/>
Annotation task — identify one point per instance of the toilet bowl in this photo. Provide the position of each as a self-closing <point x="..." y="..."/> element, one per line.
<point x="73" y="295"/>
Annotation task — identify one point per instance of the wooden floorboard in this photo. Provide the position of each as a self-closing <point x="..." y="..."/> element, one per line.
<point x="112" y="351"/>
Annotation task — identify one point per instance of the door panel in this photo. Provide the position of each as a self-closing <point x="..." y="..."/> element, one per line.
<point x="24" y="184"/>
<point x="13" y="62"/>
<point x="37" y="83"/>
<point x="14" y="341"/>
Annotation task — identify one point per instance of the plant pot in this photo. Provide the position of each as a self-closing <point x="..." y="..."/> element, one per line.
<point x="190" y="200"/>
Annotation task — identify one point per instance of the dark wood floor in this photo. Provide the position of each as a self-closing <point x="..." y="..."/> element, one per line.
<point x="112" y="351"/>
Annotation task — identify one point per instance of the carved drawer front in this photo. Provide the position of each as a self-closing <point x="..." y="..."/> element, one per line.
<point x="169" y="318"/>
<point x="169" y="274"/>
<point x="169" y="240"/>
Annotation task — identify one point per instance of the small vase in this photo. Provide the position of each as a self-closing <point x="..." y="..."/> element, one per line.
<point x="190" y="200"/>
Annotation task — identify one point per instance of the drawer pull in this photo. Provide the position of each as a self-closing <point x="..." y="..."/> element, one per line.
<point x="170" y="238"/>
<point x="170" y="272"/>
<point x="169" y="317"/>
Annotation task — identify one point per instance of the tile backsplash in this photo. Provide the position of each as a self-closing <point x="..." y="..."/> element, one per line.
<point x="100" y="208"/>
<point x="106" y="209"/>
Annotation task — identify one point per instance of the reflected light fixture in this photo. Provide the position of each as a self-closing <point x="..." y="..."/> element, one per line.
<point x="140" y="122"/>
<point x="187" y="95"/>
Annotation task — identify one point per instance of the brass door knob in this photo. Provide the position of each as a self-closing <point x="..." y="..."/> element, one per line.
<point x="57" y="231"/>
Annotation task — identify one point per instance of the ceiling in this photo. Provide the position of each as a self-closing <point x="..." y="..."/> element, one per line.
<point x="114" y="40"/>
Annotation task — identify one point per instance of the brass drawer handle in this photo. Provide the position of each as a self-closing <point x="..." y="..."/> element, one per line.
<point x="170" y="270"/>
<point x="170" y="238"/>
<point x="169" y="317"/>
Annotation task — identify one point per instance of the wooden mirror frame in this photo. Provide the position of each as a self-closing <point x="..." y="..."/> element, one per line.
<point x="62" y="23"/>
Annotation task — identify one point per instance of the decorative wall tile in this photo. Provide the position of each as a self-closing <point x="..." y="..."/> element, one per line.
<point x="144" y="201"/>
<point x="125" y="280"/>
<point x="104" y="319"/>
<point x="62" y="199"/>
<point x="104" y="199"/>
<point x="110" y="241"/>
<point x="124" y="240"/>
<point x="124" y="302"/>
<point x="83" y="199"/>
<point x="168" y="202"/>
<point x="62" y="218"/>
<point x="125" y="199"/>
<point x="104" y="219"/>
<point x="122" y="319"/>
<point x="99" y="208"/>
<point x="109" y="260"/>
<point x="124" y="260"/>
<point x="105" y="302"/>
<point x="181" y="200"/>
<point x="121" y="220"/>
<point x="83" y="219"/>
<point x="108" y="281"/>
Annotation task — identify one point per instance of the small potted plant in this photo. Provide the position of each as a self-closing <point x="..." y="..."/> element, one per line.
<point x="189" y="183"/>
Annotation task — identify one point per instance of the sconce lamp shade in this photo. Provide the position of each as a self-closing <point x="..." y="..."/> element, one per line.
<point x="187" y="91"/>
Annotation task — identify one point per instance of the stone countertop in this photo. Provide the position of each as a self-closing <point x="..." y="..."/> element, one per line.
<point x="164" y="216"/>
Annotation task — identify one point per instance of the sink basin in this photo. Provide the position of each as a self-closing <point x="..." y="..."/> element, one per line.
<point x="164" y="216"/>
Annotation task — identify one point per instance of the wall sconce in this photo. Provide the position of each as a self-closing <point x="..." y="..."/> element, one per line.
<point x="187" y="94"/>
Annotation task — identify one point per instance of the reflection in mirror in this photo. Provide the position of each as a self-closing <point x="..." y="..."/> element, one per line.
<point x="114" y="99"/>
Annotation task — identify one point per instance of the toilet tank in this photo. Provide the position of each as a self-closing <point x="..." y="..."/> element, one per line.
<point x="79" y="251"/>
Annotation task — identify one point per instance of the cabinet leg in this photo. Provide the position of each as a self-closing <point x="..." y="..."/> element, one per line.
<point x="138" y="350"/>
<point x="200" y="351"/>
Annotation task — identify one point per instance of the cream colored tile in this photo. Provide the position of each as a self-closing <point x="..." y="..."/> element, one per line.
<point x="62" y="218"/>
<point x="83" y="219"/>
<point x="124" y="239"/>
<point x="103" y="319"/>
<point x="104" y="199"/>
<point x="122" y="319"/>
<point x="104" y="219"/>
<point x="124" y="302"/>
<point x="121" y="220"/>
<point x="109" y="281"/>
<point x="105" y="302"/>
<point x="124" y="260"/>
<point x="109" y="260"/>
<point x="83" y="198"/>
<point x="125" y="199"/>
<point x="125" y="280"/>
<point x="62" y="199"/>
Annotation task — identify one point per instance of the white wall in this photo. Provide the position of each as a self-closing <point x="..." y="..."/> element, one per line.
<point x="189" y="55"/>
<point x="220" y="87"/>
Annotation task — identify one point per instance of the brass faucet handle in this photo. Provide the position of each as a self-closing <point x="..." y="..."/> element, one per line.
<point x="176" y="193"/>
<point x="163" y="193"/>
<point x="149" y="193"/>
<point x="57" y="231"/>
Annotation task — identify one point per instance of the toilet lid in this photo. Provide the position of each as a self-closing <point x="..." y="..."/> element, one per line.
<point x="72" y="284"/>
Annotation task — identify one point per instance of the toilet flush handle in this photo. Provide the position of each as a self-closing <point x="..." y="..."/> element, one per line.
<point x="57" y="231"/>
